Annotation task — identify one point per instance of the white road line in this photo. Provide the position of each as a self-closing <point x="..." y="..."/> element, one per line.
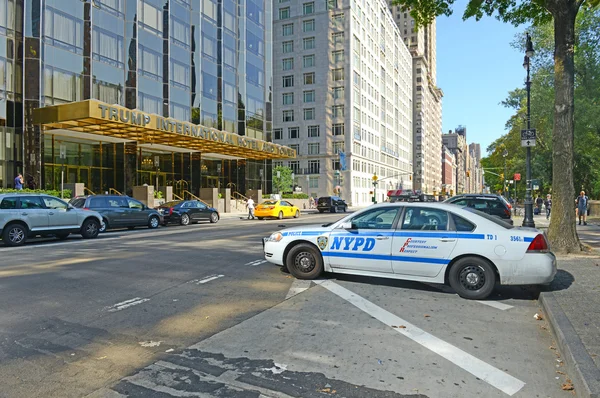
<point x="126" y="304"/>
<point x="255" y="263"/>
<point x="205" y="280"/>
<point x="478" y="368"/>
<point x="496" y="304"/>
<point x="297" y="287"/>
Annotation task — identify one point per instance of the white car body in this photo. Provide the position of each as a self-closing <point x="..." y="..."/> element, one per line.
<point x="423" y="255"/>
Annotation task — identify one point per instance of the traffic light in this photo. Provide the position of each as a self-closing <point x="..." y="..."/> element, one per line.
<point x="468" y="173"/>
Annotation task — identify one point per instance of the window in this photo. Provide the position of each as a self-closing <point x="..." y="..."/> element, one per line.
<point x="288" y="29"/>
<point x="338" y="93"/>
<point x="338" y="37"/>
<point x="9" y="203"/>
<point x="296" y="147"/>
<point x="338" y="147"/>
<point x="31" y="202"/>
<point x="308" y="43"/>
<point x="380" y="218"/>
<point x="338" y="56"/>
<point x="180" y="32"/>
<point x="309" y="114"/>
<point x="254" y="44"/>
<point x="288" y="47"/>
<point x="150" y="63"/>
<point x="461" y="224"/>
<point x="338" y="111"/>
<point x="309" y="96"/>
<point x="293" y="132"/>
<point x="288" y="116"/>
<point x="284" y="13"/>
<point x="180" y="74"/>
<point x="134" y="204"/>
<point x="308" y="8"/>
<point x="309" y="78"/>
<point x="313" y="182"/>
<point x="313" y="131"/>
<point x="332" y="4"/>
<point x="61" y="29"/>
<point x="338" y="19"/>
<point x="314" y="166"/>
<point x="335" y="164"/>
<point x="313" y="149"/>
<point x="425" y="219"/>
<point x="288" y="98"/>
<point x="288" y="81"/>
<point x="295" y="166"/>
<point x="308" y="26"/>
<point x="108" y="47"/>
<point x="53" y="203"/>
<point x="277" y="134"/>
<point x="337" y="129"/>
<point x="337" y="74"/>
<point x="151" y="17"/>
<point x="287" y="64"/>
<point x="308" y="61"/>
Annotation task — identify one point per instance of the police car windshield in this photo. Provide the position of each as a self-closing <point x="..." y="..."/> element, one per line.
<point x="495" y="220"/>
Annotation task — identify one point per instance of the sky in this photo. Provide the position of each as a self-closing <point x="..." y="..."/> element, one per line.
<point x="476" y="68"/>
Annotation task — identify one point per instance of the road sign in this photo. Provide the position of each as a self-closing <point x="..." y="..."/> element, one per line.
<point x="528" y="137"/>
<point x="517" y="177"/>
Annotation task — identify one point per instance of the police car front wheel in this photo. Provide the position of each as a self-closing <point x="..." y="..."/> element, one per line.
<point x="472" y="278"/>
<point x="304" y="261"/>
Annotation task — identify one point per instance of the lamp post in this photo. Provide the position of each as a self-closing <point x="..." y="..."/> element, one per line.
<point x="528" y="220"/>
<point x="504" y="155"/>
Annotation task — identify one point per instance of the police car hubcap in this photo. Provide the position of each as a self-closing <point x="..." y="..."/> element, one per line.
<point x="305" y="262"/>
<point x="472" y="278"/>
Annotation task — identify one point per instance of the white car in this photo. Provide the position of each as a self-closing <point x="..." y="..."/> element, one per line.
<point x="426" y="242"/>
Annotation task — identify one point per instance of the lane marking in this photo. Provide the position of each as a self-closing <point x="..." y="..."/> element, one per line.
<point x="496" y="304"/>
<point x="256" y="262"/>
<point x="206" y="279"/>
<point x="478" y="368"/>
<point x="298" y="286"/>
<point x="126" y="304"/>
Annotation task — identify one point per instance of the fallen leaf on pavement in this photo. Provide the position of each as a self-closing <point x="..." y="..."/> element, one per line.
<point x="104" y="357"/>
<point x="427" y="315"/>
<point x="399" y="327"/>
<point x="568" y="386"/>
<point x="539" y="317"/>
<point x="327" y="390"/>
<point x="560" y="373"/>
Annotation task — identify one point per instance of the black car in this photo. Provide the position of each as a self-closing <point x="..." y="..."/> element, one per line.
<point x="494" y="205"/>
<point x="185" y="212"/>
<point x="119" y="211"/>
<point x="332" y="204"/>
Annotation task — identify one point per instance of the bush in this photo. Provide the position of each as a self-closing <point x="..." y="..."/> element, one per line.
<point x="266" y="196"/>
<point x="294" y="196"/>
<point x="52" y="192"/>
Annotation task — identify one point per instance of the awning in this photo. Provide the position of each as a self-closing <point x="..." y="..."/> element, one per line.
<point x="95" y="117"/>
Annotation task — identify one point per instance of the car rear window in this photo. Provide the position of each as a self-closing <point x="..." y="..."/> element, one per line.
<point x="270" y="202"/>
<point x="493" y="219"/>
<point x="77" y="202"/>
<point x="8" y="203"/>
<point x="324" y="199"/>
<point x="461" y="224"/>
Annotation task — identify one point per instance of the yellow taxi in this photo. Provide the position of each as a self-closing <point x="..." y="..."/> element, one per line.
<point x="276" y="208"/>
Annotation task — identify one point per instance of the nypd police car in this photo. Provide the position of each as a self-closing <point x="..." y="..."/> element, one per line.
<point x="427" y="242"/>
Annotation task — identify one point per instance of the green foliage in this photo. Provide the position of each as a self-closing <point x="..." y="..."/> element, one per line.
<point x="266" y="196"/>
<point x="66" y="192"/>
<point x="284" y="182"/>
<point x="158" y="195"/>
<point x="294" y="196"/>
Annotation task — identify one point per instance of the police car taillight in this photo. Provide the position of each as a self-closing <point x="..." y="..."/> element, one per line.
<point x="538" y="244"/>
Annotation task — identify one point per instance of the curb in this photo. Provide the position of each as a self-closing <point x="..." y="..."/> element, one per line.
<point x="581" y="367"/>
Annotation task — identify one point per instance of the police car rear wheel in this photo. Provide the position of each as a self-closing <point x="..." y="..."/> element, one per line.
<point x="304" y="262"/>
<point x="472" y="278"/>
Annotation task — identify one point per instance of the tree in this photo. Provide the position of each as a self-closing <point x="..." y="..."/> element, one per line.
<point x="562" y="232"/>
<point x="284" y="182"/>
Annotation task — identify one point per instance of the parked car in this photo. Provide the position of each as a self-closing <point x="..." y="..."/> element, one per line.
<point x="276" y="208"/>
<point x="494" y="205"/>
<point x="185" y="212"/>
<point x="332" y="204"/>
<point x="23" y="216"/>
<point x="119" y="211"/>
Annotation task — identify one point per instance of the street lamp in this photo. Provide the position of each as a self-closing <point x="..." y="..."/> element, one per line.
<point x="504" y="155"/>
<point x="528" y="220"/>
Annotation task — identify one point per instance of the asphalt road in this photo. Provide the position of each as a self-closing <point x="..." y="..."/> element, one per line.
<point x="196" y="311"/>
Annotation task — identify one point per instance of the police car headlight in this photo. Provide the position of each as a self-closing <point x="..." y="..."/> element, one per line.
<point x="275" y="237"/>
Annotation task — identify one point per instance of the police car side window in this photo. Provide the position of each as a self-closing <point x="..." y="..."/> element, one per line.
<point x="424" y="219"/>
<point x="375" y="219"/>
<point x="461" y="224"/>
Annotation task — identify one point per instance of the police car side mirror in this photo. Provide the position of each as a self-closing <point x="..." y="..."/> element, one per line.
<point x="346" y="225"/>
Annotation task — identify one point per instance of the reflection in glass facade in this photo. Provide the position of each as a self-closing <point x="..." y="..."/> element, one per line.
<point x="203" y="61"/>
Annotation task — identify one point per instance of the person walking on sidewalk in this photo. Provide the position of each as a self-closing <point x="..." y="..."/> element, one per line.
<point x="250" y="206"/>
<point x="539" y="202"/>
<point x="548" y="204"/>
<point x="582" y="205"/>
<point x="19" y="182"/>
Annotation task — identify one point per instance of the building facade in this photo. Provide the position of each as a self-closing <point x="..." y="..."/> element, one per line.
<point x="475" y="170"/>
<point x="427" y="100"/>
<point x="456" y="142"/>
<point x="194" y="68"/>
<point x="343" y="83"/>
<point x="448" y="172"/>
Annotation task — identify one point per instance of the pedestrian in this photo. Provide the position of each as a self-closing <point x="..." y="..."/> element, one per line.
<point x="582" y="205"/>
<point x="548" y="204"/>
<point x="539" y="202"/>
<point x="19" y="182"/>
<point x="250" y="206"/>
<point x="311" y="202"/>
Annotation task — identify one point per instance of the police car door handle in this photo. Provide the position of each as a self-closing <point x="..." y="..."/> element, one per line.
<point x="381" y="237"/>
<point x="447" y="239"/>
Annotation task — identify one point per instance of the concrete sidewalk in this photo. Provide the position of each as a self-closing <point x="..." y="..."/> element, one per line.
<point x="572" y="305"/>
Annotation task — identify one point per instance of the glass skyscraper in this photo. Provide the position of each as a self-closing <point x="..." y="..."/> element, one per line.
<point x="204" y="62"/>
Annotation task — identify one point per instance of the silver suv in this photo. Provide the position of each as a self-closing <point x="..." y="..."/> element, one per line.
<point x="27" y="215"/>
